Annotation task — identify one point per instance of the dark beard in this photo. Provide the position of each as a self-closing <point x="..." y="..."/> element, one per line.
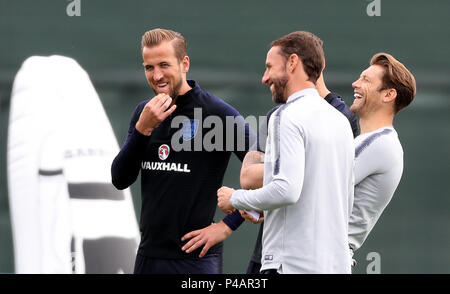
<point x="279" y="86"/>
<point x="175" y="90"/>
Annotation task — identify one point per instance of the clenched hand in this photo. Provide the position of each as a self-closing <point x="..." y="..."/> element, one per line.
<point x="154" y="112"/>
<point x="223" y="199"/>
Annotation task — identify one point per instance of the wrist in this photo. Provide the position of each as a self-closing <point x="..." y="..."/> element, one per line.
<point x="143" y="130"/>
<point x="226" y="230"/>
<point x="323" y="92"/>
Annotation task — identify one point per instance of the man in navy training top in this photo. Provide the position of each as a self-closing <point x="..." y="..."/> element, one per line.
<point x="178" y="185"/>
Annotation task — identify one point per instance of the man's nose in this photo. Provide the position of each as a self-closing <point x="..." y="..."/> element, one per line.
<point x="265" y="78"/>
<point x="157" y="74"/>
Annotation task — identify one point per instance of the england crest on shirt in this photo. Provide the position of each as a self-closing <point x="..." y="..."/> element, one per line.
<point x="163" y="152"/>
<point x="190" y="128"/>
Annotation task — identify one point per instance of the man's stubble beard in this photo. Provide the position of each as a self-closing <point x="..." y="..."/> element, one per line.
<point x="280" y="89"/>
<point x="175" y="89"/>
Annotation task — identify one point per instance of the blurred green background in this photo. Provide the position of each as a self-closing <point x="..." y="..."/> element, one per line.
<point x="227" y="44"/>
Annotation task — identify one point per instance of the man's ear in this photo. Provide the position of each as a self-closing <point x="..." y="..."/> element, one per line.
<point x="389" y="95"/>
<point x="292" y="62"/>
<point x="185" y="63"/>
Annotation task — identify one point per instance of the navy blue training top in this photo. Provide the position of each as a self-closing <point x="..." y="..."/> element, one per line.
<point x="179" y="188"/>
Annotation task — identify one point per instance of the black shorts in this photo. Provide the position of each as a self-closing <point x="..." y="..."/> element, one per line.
<point x="254" y="268"/>
<point x="209" y="264"/>
<point x="271" y="271"/>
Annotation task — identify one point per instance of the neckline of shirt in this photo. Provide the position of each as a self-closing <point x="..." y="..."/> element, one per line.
<point x="307" y="91"/>
<point x="183" y="99"/>
<point x="380" y="130"/>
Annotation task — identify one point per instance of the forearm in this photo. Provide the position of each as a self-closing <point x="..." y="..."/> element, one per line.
<point x="126" y="166"/>
<point x="321" y="87"/>
<point x="286" y="182"/>
<point x="276" y="194"/>
<point x="360" y="224"/>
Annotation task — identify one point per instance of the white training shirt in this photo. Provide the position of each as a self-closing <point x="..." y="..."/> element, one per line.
<point x="308" y="188"/>
<point x="378" y="169"/>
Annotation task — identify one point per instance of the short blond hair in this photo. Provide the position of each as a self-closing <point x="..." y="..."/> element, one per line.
<point x="157" y="36"/>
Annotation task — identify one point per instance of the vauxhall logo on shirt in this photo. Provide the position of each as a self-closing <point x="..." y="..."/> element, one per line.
<point x="163" y="153"/>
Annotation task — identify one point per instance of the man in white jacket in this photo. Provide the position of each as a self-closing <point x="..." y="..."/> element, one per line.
<point x="308" y="168"/>
<point x="382" y="90"/>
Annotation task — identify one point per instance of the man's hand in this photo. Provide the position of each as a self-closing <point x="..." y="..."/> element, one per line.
<point x="223" y="199"/>
<point x="209" y="236"/>
<point x="250" y="218"/>
<point x="154" y="112"/>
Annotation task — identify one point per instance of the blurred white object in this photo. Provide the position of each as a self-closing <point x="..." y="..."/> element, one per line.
<point x="254" y="214"/>
<point x="66" y="215"/>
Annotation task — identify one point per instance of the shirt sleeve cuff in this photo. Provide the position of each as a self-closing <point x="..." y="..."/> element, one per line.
<point x="137" y="138"/>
